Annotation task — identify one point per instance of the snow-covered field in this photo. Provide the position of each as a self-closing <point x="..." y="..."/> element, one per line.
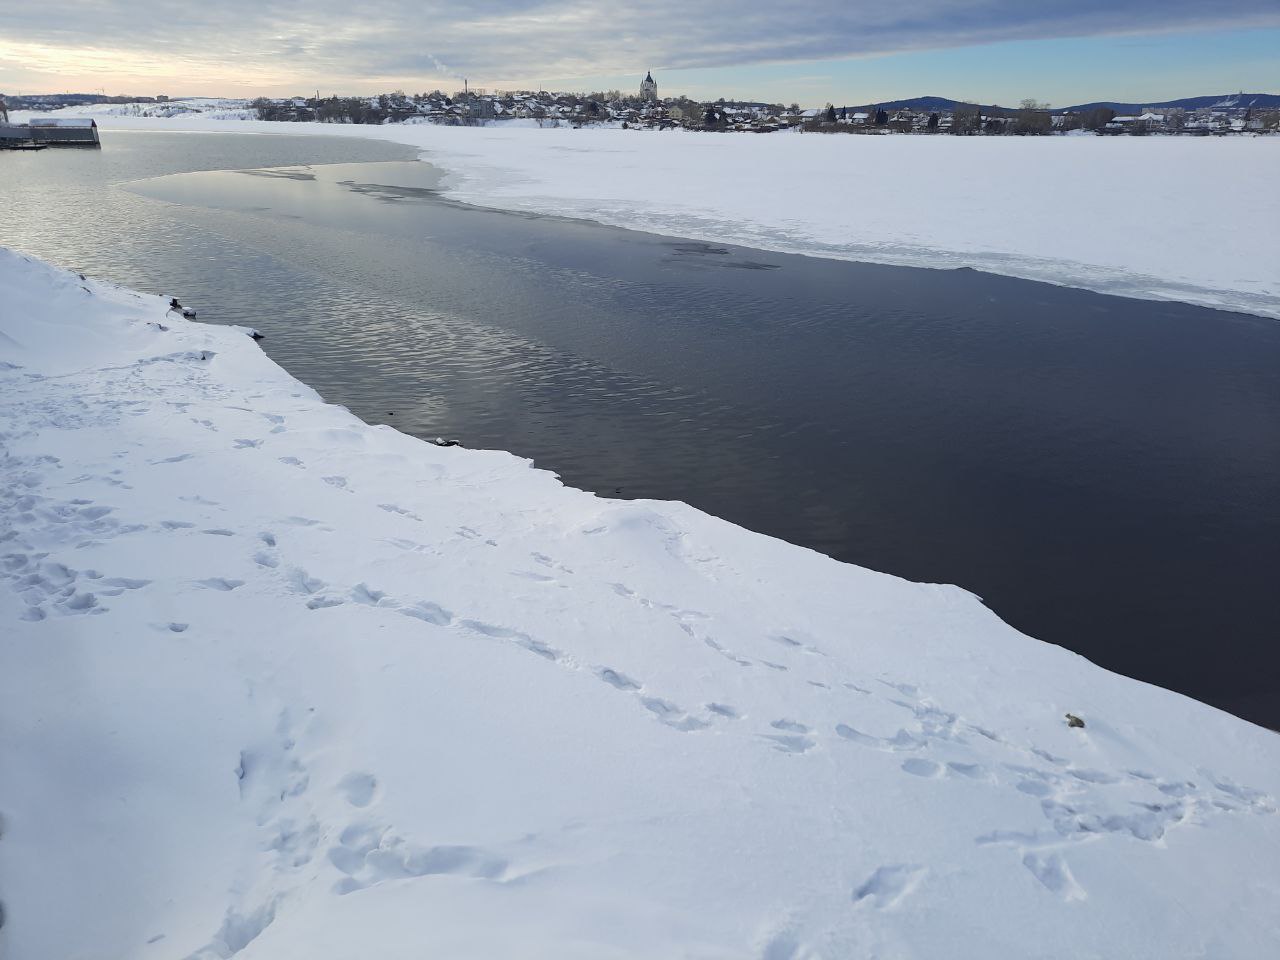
<point x="206" y="108"/>
<point x="277" y="684"/>
<point x="1179" y="218"/>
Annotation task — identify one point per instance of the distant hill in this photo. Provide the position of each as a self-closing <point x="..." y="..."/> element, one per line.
<point x="52" y="101"/>
<point x="922" y="104"/>
<point x="1225" y="100"/>
<point x="1239" y="101"/>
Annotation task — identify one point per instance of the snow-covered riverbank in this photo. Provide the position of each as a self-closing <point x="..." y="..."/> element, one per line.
<point x="278" y="684"/>
<point x="1189" y="219"/>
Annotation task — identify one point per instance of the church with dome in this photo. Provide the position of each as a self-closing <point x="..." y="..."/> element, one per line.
<point x="649" y="88"/>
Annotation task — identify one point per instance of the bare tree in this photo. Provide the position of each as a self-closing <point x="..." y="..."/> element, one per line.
<point x="1098" y="118"/>
<point x="1033" y="119"/>
<point x="966" y="119"/>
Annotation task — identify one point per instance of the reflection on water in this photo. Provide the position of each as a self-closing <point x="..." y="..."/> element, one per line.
<point x="1104" y="472"/>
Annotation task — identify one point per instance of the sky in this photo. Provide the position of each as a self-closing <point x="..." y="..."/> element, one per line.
<point x="812" y="51"/>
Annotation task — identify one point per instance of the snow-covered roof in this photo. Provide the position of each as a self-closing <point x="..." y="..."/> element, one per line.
<point x="63" y="122"/>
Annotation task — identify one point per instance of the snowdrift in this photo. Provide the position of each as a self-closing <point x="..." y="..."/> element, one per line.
<point x="279" y="684"/>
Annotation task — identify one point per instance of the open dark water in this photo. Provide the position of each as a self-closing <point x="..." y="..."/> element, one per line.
<point x="1104" y="472"/>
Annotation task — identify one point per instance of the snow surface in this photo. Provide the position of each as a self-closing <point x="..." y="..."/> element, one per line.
<point x="207" y="108"/>
<point x="280" y="685"/>
<point x="1178" y="218"/>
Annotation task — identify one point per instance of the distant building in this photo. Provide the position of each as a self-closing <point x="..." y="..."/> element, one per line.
<point x="649" y="88"/>
<point x="62" y="132"/>
<point x="65" y="131"/>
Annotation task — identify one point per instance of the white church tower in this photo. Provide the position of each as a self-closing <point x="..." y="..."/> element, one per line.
<point x="649" y="88"/>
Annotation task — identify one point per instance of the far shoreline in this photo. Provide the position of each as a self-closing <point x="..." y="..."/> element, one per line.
<point x="482" y="181"/>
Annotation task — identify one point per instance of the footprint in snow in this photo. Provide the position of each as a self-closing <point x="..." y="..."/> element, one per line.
<point x="790" y="726"/>
<point x="1046" y="755"/>
<point x="365" y="594"/>
<point x="302" y="582"/>
<point x="368" y="854"/>
<point x="920" y="767"/>
<point x="673" y="716"/>
<point x="1052" y="871"/>
<point x="399" y="511"/>
<point x="546" y="561"/>
<point x="790" y="744"/>
<point x="899" y="742"/>
<point x="115" y="586"/>
<point x="889" y="885"/>
<point x="428" y="612"/>
<point x="220" y="583"/>
<point x="544" y="650"/>
<point x="535" y="577"/>
<point x="617" y="679"/>
<point x="793" y="738"/>
<point x="359" y="788"/>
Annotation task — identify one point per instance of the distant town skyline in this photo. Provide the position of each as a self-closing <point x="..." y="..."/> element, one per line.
<point x="998" y="52"/>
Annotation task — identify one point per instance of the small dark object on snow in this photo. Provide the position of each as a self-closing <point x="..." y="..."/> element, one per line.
<point x="255" y="334"/>
<point x="174" y="304"/>
<point x="1074" y="721"/>
<point x="83" y="277"/>
<point x="188" y="313"/>
<point x="442" y="442"/>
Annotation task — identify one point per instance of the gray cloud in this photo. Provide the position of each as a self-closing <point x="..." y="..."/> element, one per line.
<point x="336" y="41"/>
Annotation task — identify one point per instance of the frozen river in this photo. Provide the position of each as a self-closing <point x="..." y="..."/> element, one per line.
<point x="1104" y="472"/>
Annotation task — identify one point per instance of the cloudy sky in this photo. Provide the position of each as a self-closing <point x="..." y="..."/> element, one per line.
<point x="1063" y="51"/>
